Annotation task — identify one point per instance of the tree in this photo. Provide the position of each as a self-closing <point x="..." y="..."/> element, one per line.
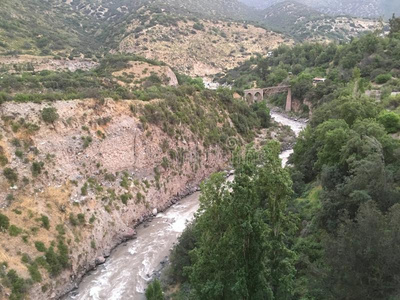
<point x="394" y="24"/>
<point x="362" y="260"/>
<point x="241" y="250"/>
<point x="154" y="291"/>
<point x="263" y="113"/>
<point x="390" y="120"/>
<point x="179" y="257"/>
<point x="50" y="115"/>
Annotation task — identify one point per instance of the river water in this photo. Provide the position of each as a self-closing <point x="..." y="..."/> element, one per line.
<point x="129" y="268"/>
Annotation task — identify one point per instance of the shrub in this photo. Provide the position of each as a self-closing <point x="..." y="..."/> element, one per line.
<point x="3" y="160"/>
<point x="40" y="246"/>
<point x="81" y="218"/>
<point x="84" y="189"/>
<point x="60" y="229"/>
<point x="87" y="140"/>
<point x="49" y="115"/>
<point x="19" y="153"/>
<point x="37" y="168"/>
<point x="92" y="219"/>
<point x="45" y="222"/>
<point x="11" y="175"/>
<point x="14" y="230"/>
<point x="125" y="197"/>
<point x="383" y="78"/>
<point x="17" y="285"/>
<point x="198" y="26"/>
<point x="34" y="272"/>
<point x="73" y="220"/>
<point x="4" y="222"/>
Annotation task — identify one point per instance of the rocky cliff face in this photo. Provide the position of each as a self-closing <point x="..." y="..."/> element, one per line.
<point x="93" y="174"/>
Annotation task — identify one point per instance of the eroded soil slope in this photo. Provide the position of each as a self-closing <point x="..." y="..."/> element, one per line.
<point x="75" y="188"/>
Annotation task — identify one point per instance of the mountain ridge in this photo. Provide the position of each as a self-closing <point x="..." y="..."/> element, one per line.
<point x="356" y="8"/>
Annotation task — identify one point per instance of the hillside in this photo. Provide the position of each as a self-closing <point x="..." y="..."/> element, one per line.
<point x="304" y="23"/>
<point x="63" y="26"/>
<point x="356" y="8"/>
<point x="25" y="28"/>
<point x="288" y="13"/>
<point x="198" y="48"/>
<point x="183" y="34"/>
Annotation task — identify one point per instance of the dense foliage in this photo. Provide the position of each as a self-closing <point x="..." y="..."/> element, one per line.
<point x="246" y="223"/>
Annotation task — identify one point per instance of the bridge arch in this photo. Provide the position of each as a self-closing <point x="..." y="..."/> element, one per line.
<point x="257" y="95"/>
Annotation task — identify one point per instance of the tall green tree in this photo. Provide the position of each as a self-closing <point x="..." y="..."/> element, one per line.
<point x="394" y="24"/>
<point x="154" y="291"/>
<point x="362" y="259"/>
<point x="241" y="228"/>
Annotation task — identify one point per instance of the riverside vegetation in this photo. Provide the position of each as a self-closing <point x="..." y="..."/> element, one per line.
<point x="327" y="226"/>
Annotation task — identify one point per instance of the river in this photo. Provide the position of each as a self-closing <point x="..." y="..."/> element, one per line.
<point x="129" y="268"/>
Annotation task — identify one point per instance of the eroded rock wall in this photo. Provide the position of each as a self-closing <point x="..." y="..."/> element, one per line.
<point x="101" y="172"/>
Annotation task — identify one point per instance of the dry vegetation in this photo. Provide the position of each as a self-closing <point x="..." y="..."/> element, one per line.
<point x="200" y="47"/>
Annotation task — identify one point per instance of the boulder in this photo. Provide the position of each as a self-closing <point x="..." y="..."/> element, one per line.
<point x="129" y="234"/>
<point x="155" y="211"/>
<point x="100" y="260"/>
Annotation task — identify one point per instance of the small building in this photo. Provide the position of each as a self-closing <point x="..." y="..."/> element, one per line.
<point x="270" y="54"/>
<point x="317" y="80"/>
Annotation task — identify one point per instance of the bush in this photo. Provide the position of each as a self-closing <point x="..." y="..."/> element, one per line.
<point x="4" y="222"/>
<point x="81" y="218"/>
<point x="383" y="78"/>
<point x="14" y="230"/>
<point x="40" y="246"/>
<point x="73" y="220"/>
<point x="37" y="168"/>
<point x="11" y="175"/>
<point x="45" y="222"/>
<point x="84" y="189"/>
<point x="49" y="115"/>
<point x="17" y="285"/>
<point x="390" y="120"/>
<point x="3" y="160"/>
<point x="198" y="26"/>
<point x="34" y="272"/>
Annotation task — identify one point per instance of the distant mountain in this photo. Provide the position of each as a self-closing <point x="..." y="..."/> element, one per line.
<point x="260" y="4"/>
<point x="358" y="8"/>
<point x="287" y="14"/>
<point x="305" y="23"/>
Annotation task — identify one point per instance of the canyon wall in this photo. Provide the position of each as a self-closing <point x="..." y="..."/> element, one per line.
<point x="94" y="173"/>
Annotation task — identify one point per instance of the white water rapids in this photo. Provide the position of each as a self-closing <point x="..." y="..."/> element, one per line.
<point x="129" y="268"/>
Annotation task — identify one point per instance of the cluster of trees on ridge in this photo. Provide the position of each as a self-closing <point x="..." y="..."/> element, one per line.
<point x="328" y="225"/>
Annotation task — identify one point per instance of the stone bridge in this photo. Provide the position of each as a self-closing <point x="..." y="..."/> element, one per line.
<point x="256" y="95"/>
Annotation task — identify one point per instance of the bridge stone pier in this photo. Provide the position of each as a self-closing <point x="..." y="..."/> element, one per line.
<point x="257" y="95"/>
